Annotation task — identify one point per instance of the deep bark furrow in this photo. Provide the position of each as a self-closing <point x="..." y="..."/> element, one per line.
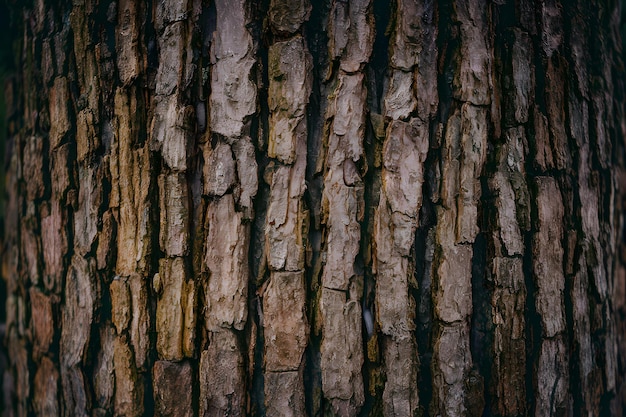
<point x="442" y="205"/>
<point x="512" y="211"/>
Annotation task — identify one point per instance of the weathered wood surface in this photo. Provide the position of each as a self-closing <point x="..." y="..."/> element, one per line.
<point x="292" y="208"/>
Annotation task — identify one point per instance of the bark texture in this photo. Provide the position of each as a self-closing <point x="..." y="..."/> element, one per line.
<point x="314" y="208"/>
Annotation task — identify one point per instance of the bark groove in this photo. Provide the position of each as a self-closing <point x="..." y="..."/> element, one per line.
<point x="322" y="208"/>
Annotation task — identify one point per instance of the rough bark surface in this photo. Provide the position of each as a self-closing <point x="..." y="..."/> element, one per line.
<point x="314" y="208"/>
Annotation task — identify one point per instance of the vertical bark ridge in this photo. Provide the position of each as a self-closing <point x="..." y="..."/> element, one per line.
<point x="552" y="361"/>
<point x="509" y="294"/>
<point x="131" y="167"/>
<point x="463" y="156"/>
<point x="409" y="232"/>
<point x="230" y="183"/>
<point x="351" y="37"/>
<point x="81" y="291"/>
<point x="131" y="205"/>
<point x="412" y="68"/>
<point x="33" y="203"/>
<point x="172" y="138"/>
<point x="285" y="324"/>
<point x="172" y="133"/>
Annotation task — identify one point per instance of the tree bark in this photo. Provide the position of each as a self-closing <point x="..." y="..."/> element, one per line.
<point x="322" y="208"/>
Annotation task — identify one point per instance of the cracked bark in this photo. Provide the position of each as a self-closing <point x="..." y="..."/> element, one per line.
<point x="314" y="208"/>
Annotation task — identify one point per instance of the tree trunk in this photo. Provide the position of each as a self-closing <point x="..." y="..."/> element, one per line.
<point x="295" y="207"/>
